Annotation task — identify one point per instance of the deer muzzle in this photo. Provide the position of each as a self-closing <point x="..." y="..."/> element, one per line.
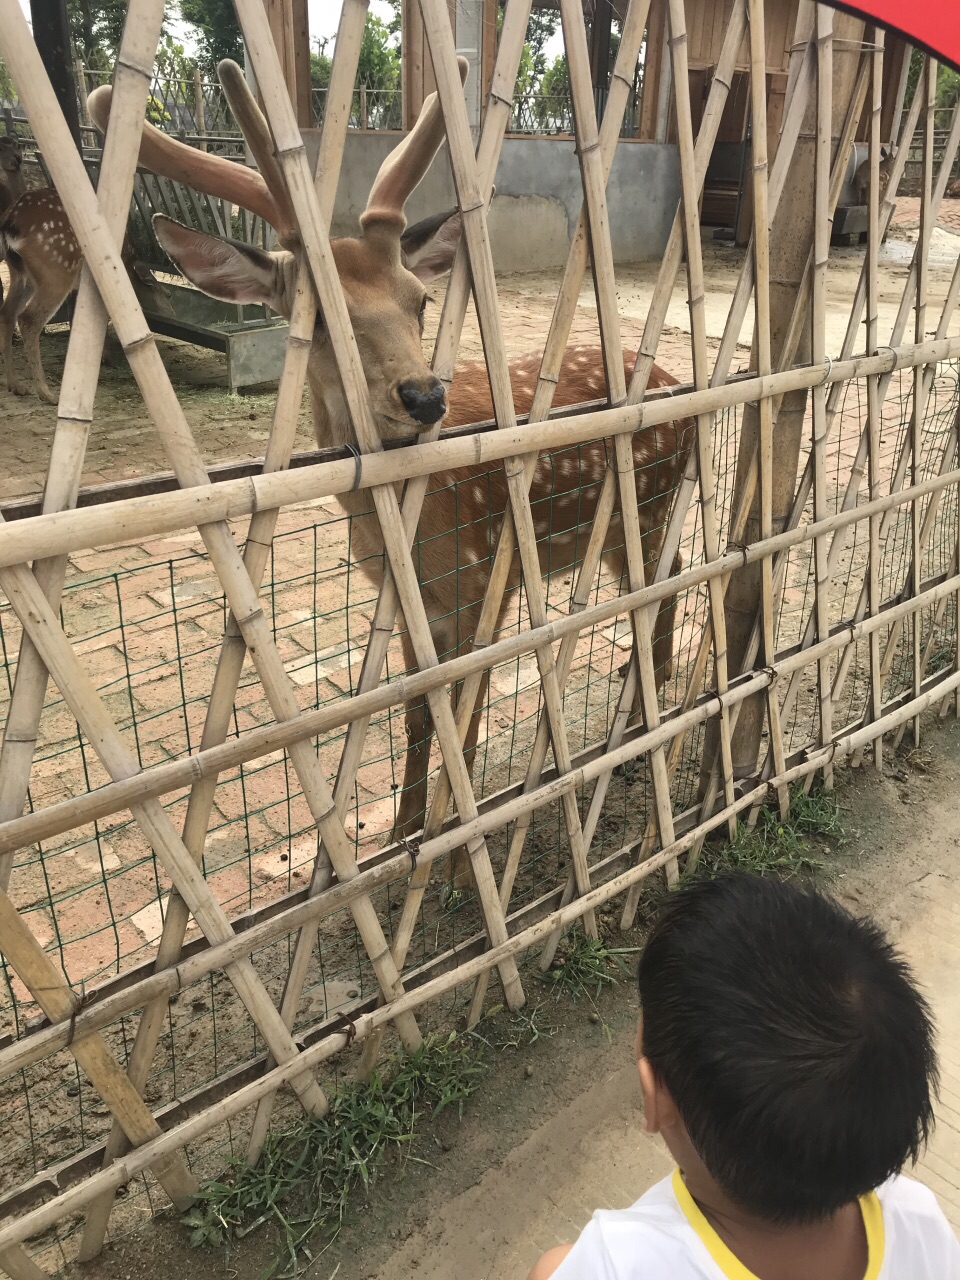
<point x="424" y="400"/>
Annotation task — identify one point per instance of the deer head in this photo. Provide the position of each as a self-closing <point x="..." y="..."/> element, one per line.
<point x="383" y="272"/>
<point x="12" y="185"/>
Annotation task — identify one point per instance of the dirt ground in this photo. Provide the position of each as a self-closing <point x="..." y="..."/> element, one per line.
<point x="554" y="1130"/>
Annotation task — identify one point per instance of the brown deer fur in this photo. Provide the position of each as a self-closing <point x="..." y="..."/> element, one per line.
<point x="45" y="261"/>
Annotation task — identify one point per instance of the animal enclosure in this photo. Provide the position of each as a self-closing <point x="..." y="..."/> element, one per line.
<point x="212" y="907"/>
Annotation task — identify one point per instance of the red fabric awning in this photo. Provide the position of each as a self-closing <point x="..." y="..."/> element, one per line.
<point x="934" y="25"/>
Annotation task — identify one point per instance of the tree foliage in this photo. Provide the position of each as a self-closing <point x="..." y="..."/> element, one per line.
<point x="379" y="63"/>
<point x="216" y="31"/>
<point x="95" y="29"/>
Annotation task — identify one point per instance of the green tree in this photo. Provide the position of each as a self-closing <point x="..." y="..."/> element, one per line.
<point x="379" y="66"/>
<point x="95" y="28"/>
<point x="215" y="29"/>
<point x="552" y="107"/>
<point x="542" y="26"/>
<point x="320" y="67"/>
<point x="172" y="60"/>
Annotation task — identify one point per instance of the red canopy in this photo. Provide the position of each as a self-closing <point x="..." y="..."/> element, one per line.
<point x="934" y="25"/>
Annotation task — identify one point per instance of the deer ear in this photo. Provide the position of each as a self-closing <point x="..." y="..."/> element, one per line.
<point x="223" y="269"/>
<point x="429" y="247"/>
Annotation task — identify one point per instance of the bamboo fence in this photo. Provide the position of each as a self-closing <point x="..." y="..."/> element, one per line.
<point x="852" y="631"/>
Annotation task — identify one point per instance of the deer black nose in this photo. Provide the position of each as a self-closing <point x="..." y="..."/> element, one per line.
<point x="426" y="405"/>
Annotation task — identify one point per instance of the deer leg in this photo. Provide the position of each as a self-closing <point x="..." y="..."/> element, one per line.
<point x="460" y="872"/>
<point x="33" y="318"/>
<point x="13" y="304"/>
<point x="663" y="632"/>
<point x="419" y="730"/>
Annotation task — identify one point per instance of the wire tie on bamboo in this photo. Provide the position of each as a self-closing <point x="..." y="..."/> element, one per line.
<point x="145" y="73"/>
<point x="344" y="1024"/>
<point x="354" y="453"/>
<point x="411" y="846"/>
<point x="826" y="377"/>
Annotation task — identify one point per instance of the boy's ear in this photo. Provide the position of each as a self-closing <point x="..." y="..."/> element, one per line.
<point x="652" y="1096"/>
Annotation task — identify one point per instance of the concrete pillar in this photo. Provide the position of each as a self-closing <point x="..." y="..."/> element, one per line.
<point x="469" y="37"/>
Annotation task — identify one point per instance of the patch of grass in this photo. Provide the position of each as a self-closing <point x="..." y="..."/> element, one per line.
<point x="519" y="1031"/>
<point x="306" y="1175"/>
<point x="785" y="846"/>
<point x="586" y="966"/>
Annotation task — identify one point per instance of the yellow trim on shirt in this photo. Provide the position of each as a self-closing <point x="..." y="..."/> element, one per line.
<point x="730" y="1264"/>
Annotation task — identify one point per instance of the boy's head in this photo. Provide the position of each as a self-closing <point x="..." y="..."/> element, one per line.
<point x="791" y="1041"/>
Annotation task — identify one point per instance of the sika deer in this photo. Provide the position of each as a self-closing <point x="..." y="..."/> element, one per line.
<point x="44" y="259"/>
<point x="384" y="273"/>
<point x="12" y="185"/>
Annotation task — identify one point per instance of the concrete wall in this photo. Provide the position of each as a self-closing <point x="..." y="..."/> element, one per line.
<point x="538" y="197"/>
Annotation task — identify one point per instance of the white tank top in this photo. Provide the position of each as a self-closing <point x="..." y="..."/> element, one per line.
<point x="664" y="1236"/>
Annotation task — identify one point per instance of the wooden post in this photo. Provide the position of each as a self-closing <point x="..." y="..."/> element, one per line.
<point x="303" y="101"/>
<point x="791" y="239"/>
<point x="51" y="34"/>
<point x="199" y="108"/>
<point x="600" y="50"/>
<point x="291" y="34"/>
<point x="82" y="92"/>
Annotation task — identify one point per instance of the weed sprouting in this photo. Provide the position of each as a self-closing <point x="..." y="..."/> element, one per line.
<point x="588" y="967"/>
<point x="306" y="1175"/>
<point x="786" y="846"/>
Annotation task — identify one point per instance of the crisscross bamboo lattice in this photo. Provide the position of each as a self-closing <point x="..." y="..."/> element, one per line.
<point x="824" y="606"/>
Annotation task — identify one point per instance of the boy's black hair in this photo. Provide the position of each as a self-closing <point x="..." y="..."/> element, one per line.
<point x="791" y="1038"/>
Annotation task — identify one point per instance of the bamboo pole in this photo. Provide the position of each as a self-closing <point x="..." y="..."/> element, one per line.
<point x="37" y="1220"/>
<point x="548" y="378"/>
<point x="199" y="108"/>
<point x="50" y="989"/>
<point x="164" y="778"/>
<point x="790" y="240"/>
<point x="594" y="180"/>
<point x="872" y="266"/>
<point x="41" y="623"/>
<point x="621" y="479"/>
<point x="792" y="338"/>
<point x="291" y="154"/>
<point x="18" y="1264"/>
<point x="133" y="519"/>
<point x="257" y="546"/>
<point x="495" y="122"/>
<point x="656" y="314"/>
<point x="22" y="59"/>
<point x="762" y="341"/>
<point x="78" y="391"/>
<point x="927" y="223"/>
<point x="821" y="248"/>
<point x="899" y="328"/>
<point x="798" y="91"/>
<point x="98" y="1013"/>
<point x="473" y="211"/>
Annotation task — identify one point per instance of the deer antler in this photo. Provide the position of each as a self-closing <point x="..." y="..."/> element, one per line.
<point x="257" y="135"/>
<point x="407" y="164"/>
<point x="216" y="176"/>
